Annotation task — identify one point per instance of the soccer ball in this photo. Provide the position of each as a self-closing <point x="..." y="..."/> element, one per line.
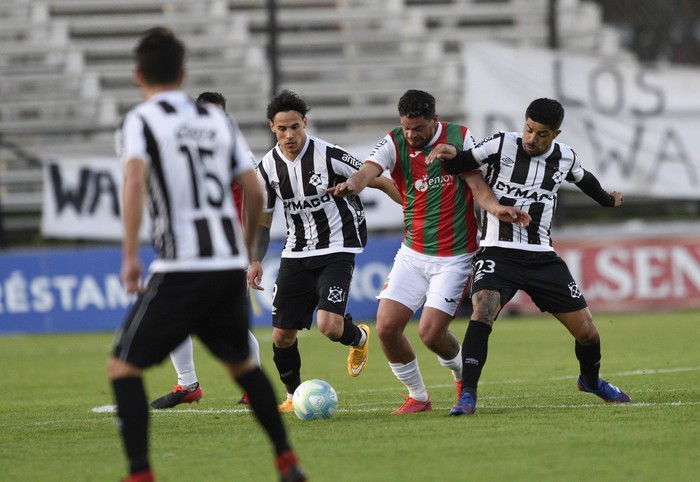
<point x="314" y="399"/>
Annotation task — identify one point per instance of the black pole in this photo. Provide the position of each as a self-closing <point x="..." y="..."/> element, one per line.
<point x="273" y="51"/>
<point x="272" y="47"/>
<point x="3" y="237"/>
<point x="553" y="40"/>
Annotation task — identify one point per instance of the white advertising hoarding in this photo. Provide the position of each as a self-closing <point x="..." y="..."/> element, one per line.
<point x="636" y="127"/>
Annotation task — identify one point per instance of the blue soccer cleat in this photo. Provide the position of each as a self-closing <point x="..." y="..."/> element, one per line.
<point x="466" y="405"/>
<point x="607" y="391"/>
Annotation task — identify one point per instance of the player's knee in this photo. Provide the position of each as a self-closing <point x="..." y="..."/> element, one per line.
<point x="387" y="331"/>
<point x="330" y="324"/>
<point x="283" y="338"/>
<point x="430" y="336"/>
<point x="588" y="336"/>
<point x="484" y="314"/>
<point x="486" y="305"/>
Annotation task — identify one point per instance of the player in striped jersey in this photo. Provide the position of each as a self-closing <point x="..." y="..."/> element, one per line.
<point x="433" y="264"/>
<point x="180" y="158"/>
<point x="323" y="236"/>
<point x="187" y="388"/>
<point x="526" y="170"/>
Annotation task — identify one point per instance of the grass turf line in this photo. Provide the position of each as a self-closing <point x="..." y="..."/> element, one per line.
<point x="531" y="422"/>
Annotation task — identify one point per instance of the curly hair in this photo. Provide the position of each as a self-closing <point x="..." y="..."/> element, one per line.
<point x="284" y="102"/>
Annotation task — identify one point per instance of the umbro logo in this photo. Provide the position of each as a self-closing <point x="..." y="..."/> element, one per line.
<point x="507" y="161"/>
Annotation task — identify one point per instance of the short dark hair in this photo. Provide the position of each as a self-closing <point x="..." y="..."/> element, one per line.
<point x="212" y="98"/>
<point x="160" y="56"/>
<point x="417" y="103"/>
<point x="284" y="102"/>
<point x="546" y="111"/>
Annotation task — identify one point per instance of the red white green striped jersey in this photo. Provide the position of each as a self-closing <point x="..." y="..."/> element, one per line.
<point x="438" y="207"/>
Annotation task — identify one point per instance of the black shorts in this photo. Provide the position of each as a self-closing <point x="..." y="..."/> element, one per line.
<point x="210" y="304"/>
<point x="542" y="275"/>
<point x="303" y="284"/>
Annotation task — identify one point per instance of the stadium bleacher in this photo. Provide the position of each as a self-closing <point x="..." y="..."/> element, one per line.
<point x="66" y="65"/>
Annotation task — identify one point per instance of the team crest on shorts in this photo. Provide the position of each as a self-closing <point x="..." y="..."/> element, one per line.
<point x="336" y="294"/>
<point x="575" y="292"/>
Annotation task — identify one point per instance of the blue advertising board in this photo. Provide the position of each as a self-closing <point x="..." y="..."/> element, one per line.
<point x="78" y="290"/>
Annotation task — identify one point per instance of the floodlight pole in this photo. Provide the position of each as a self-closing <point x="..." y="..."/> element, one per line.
<point x="273" y="51"/>
<point x="272" y="46"/>
<point x="553" y="24"/>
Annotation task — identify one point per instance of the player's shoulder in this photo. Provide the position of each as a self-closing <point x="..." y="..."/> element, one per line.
<point x="566" y="151"/>
<point x="499" y="137"/>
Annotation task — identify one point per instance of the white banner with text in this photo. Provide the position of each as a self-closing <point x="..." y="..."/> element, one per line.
<point x="82" y="200"/>
<point x="634" y="126"/>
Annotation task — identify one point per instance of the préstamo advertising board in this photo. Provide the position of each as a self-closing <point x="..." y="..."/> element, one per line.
<point x="79" y="290"/>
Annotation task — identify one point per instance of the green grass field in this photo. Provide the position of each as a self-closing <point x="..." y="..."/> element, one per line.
<point x="531" y="422"/>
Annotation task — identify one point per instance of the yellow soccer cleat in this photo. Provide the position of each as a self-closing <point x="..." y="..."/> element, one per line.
<point x="286" y="407"/>
<point x="357" y="359"/>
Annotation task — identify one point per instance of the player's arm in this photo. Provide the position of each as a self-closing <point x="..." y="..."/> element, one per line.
<point x="454" y="161"/>
<point x="483" y="195"/>
<point x="386" y="185"/>
<point x="590" y="186"/>
<point x="255" y="272"/>
<point x="357" y="181"/>
<point x="252" y="193"/>
<point x="134" y="195"/>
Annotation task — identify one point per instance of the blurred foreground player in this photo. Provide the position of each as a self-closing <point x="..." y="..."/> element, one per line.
<point x="181" y="157"/>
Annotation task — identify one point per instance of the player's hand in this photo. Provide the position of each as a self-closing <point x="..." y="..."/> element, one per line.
<point x="342" y="189"/>
<point x="513" y="215"/>
<point x="619" y="198"/>
<point x="441" y="152"/>
<point x="130" y="274"/>
<point x="255" y="273"/>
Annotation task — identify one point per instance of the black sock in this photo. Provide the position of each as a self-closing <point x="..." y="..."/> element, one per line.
<point x="474" y="350"/>
<point x="132" y="420"/>
<point x="262" y="401"/>
<point x="288" y="363"/>
<point x="589" y="360"/>
<point x="351" y="333"/>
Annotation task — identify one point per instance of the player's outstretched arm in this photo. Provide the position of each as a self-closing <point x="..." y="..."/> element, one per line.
<point x="441" y="152"/>
<point x="388" y="187"/>
<point x="591" y="187"/>
<point x="483" y="195"/>
<point x="356" y="182"/>
<point x="453" y="160"/>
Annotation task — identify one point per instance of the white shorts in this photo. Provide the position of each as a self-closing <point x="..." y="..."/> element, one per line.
<point x="436" y="281"/>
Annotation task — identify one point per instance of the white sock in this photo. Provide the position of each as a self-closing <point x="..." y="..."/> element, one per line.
<point x="363" y="338"/>
<point x="455" y="364"/>
<point x="183" y="361"/>
<point x="254" y="346"/>
<point x="409" y="375"/>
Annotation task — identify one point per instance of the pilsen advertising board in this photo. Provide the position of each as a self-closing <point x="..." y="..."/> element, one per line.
<point x="79" y="290"/>
<point x="631" y="274"/>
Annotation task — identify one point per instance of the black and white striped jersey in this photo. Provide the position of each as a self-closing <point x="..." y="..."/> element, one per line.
<point x="528" y="183"/>
<point x="317" y="222"/>
<point x="192" y="152"/>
